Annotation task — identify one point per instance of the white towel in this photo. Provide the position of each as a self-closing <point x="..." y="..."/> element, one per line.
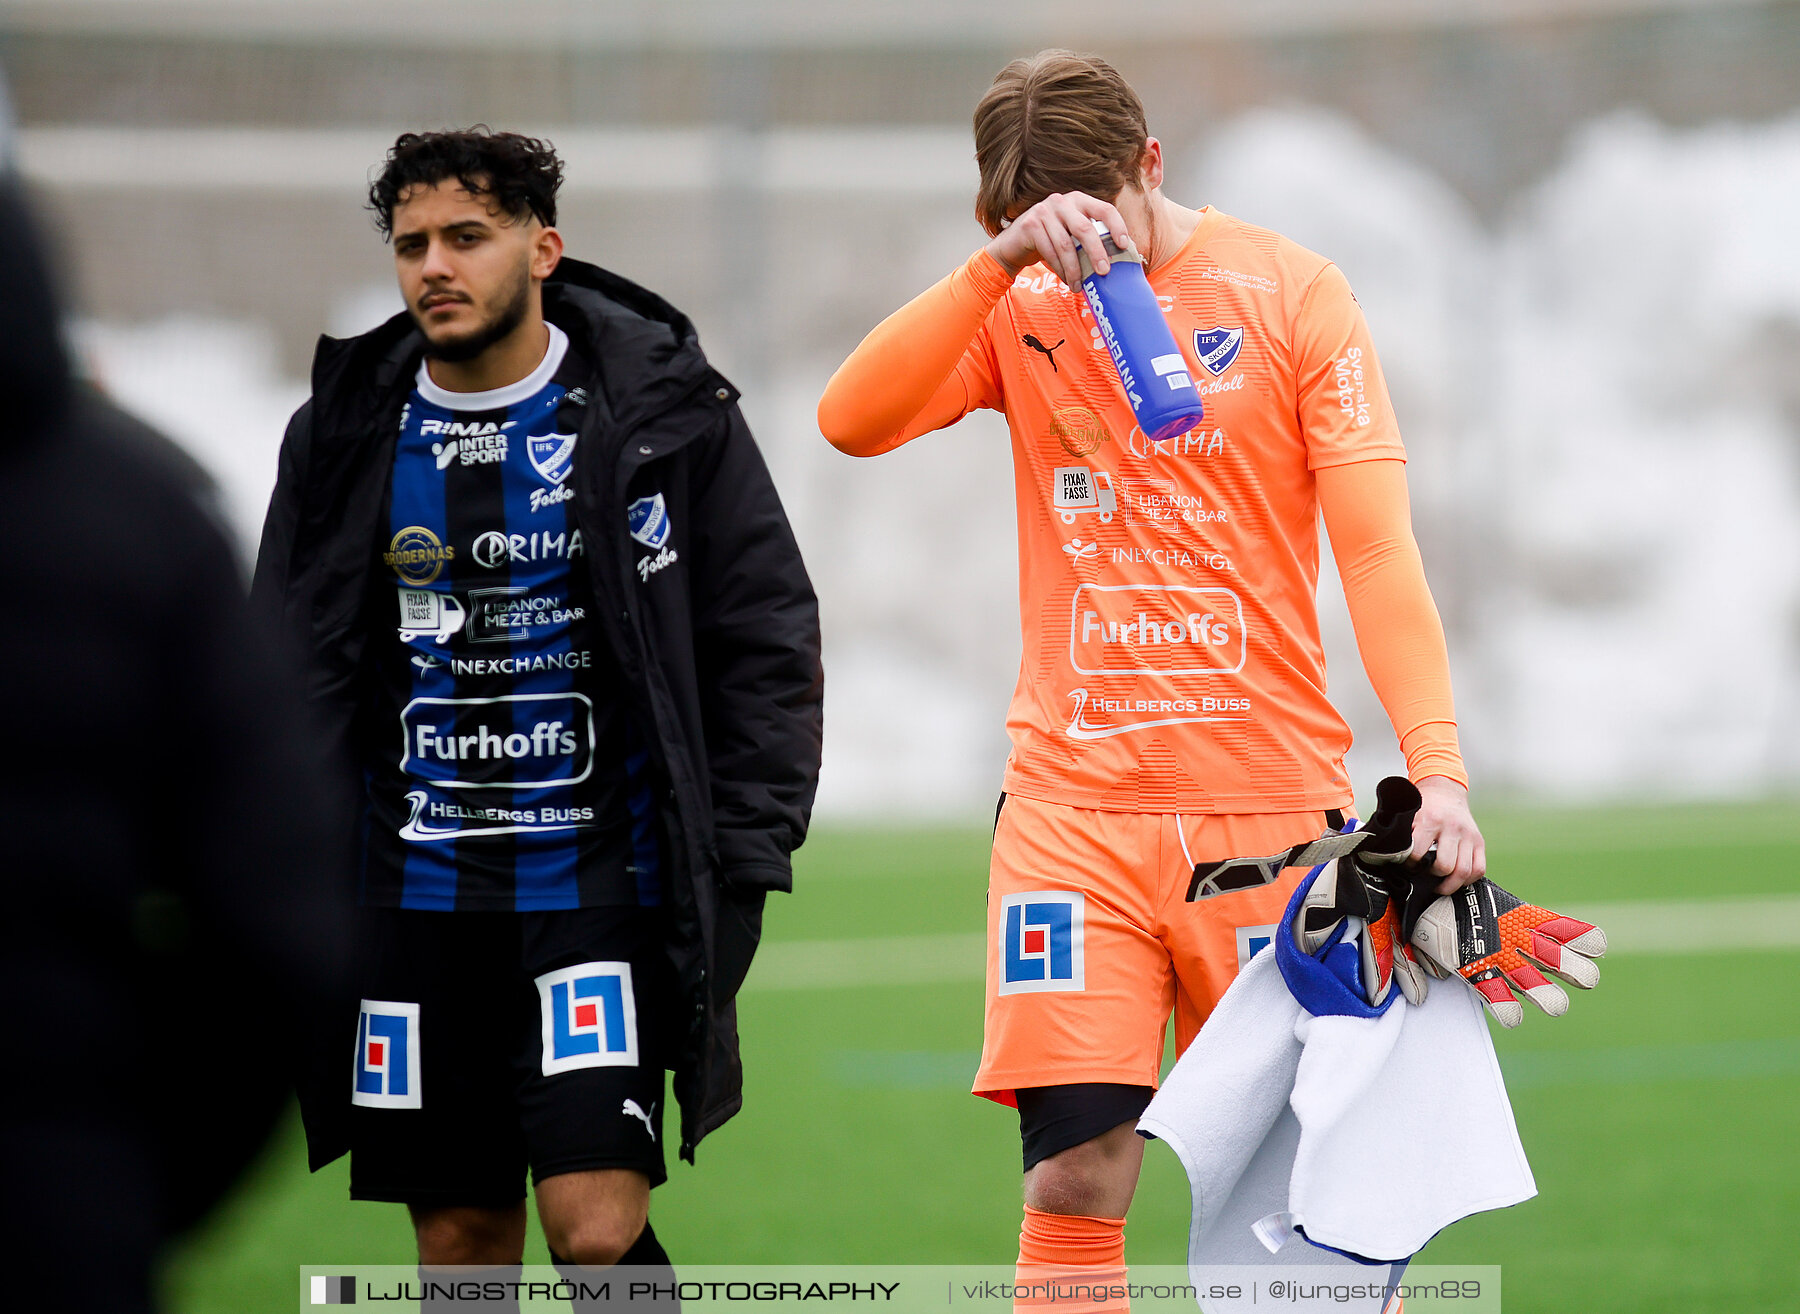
<point x="1369" y="1134"/>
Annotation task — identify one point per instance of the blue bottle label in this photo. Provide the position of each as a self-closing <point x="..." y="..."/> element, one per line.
<point x="1151" y="368"/>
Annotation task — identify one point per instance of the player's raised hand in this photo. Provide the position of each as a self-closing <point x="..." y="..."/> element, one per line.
<point x="1053" y="230"/>
<point x="1444" y="823"/>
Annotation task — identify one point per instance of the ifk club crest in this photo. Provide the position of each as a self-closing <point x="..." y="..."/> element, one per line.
<point x="648" y="520"/>
<point x="1217" y="348"/>
<point x="552" y="455"/>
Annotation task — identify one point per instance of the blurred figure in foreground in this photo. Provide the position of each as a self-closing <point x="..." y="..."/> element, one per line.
<point x="169" y="898"/>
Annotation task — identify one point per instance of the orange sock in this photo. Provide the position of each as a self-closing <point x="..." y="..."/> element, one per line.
<point x="1071" y="1251"/>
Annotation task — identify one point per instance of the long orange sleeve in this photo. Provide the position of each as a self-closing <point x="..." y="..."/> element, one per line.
<point x="1398" y="631"/>
<point x="903" y="380"/>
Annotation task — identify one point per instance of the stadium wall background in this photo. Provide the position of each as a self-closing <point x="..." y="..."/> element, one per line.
<point x="1566" y="230"/>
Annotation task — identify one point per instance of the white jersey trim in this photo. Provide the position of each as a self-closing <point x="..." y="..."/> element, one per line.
<point x="512" y="394"/>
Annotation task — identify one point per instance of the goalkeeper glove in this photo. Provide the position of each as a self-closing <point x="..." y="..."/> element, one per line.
<point x="1497" y="942"/>
<point x="1365" y="891"/>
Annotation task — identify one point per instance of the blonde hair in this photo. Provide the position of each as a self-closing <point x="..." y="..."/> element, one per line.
<point x="1055" y="122"/>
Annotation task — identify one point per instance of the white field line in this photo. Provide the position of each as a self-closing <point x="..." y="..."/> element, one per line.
<point x="1696" y="926"/>
<point x="1670" y="926"/>
<point x="892" y="960"/>
<point x="1644" y="833"/>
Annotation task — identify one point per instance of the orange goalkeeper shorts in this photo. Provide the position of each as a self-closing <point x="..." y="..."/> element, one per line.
<point x="1092" y="943"/>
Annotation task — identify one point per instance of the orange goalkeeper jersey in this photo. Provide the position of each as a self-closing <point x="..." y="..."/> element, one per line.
<point x="1172" y="658"/>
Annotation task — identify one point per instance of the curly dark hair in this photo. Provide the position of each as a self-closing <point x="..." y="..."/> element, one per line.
<point x="520" y="173"/>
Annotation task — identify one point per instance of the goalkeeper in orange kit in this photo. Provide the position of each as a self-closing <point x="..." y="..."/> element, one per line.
<point x="1171" y="708"/>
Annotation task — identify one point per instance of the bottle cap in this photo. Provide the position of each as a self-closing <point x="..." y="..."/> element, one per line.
<point x="1114" y="251"/>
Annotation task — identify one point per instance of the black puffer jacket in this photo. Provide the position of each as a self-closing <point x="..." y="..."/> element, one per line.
<point x="170" y="900"/>
<point x="716" y="633"/>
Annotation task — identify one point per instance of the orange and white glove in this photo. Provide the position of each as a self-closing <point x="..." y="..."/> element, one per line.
<point x="1498" y="943"/>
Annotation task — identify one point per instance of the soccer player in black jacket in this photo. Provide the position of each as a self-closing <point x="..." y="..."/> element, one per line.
<point x="560" y="630"/>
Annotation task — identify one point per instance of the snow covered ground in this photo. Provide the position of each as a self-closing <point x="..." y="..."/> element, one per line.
<point x="1599" y="386"/>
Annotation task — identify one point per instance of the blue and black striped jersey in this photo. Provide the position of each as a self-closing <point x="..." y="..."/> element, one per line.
<point x="512" y="778"/>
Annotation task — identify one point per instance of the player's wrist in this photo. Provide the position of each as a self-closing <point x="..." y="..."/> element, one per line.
<point x="995" y="266"/>
<point x="1437" y="773"/>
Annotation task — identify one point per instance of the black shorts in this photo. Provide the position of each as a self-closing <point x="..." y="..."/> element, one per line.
<point x="1056" y="1118"/>
<point x="490" y="1042"/>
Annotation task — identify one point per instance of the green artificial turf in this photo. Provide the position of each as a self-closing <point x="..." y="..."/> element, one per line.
<point x="1659" y="1114"/>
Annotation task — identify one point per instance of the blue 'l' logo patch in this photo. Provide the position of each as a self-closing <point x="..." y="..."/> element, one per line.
<point x="1042" y="942"/>
<point x="387" y="1056"/>
<point x="589" y="1017"/>
<point x="1252" y="940"/>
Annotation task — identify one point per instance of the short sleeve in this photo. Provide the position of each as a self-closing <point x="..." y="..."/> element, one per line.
<point x="1342" y="398"/>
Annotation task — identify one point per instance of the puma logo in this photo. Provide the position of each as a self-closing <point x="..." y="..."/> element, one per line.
<point x="635" y="1110"/>
<point x="1031" y="341"/>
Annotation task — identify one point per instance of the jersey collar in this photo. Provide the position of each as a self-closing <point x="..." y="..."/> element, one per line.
<point x="495" y="399"/>
<point x="1210" y="219"/>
